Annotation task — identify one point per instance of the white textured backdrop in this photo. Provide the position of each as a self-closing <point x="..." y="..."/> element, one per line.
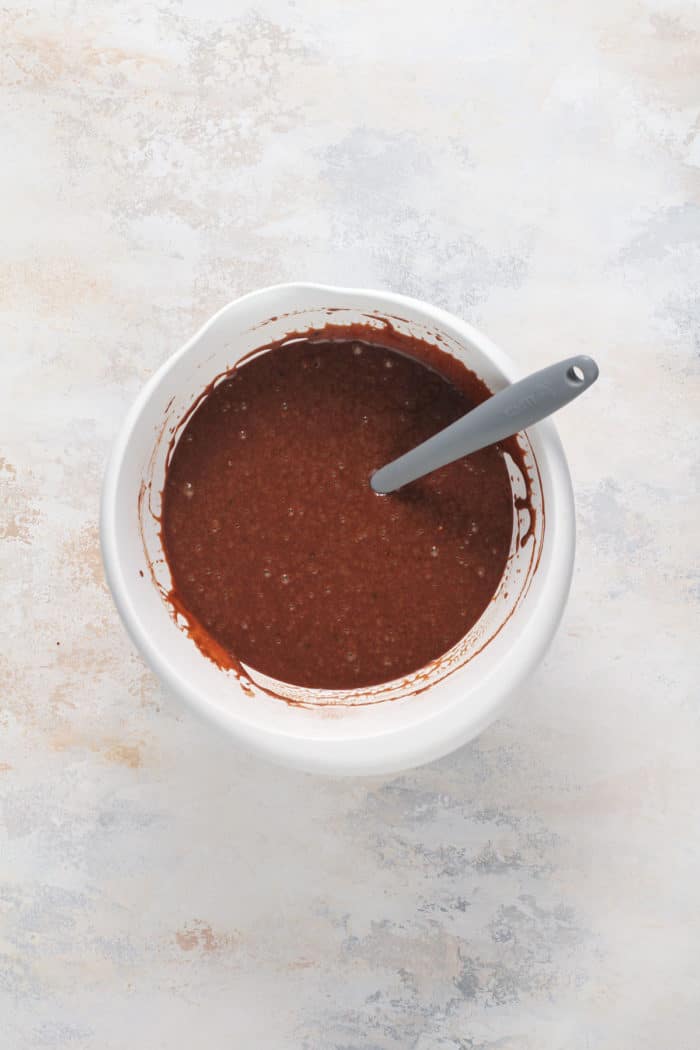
<point x="532" y="167"/>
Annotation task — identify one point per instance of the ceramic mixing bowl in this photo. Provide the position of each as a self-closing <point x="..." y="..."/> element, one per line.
<point x="378" y="729"/>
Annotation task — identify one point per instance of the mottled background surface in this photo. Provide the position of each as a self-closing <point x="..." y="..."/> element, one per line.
<point x="533" y="167"/>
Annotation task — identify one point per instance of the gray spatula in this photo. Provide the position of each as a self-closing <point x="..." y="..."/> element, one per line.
<point x="506" y="413"/>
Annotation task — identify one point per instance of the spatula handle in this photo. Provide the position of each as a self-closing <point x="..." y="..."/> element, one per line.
<point x="511" y="410"/>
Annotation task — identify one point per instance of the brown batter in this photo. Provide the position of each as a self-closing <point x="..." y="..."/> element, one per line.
<point x="277" y="545"/>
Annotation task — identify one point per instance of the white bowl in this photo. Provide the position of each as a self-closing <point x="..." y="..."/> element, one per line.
<point x="386" y="728"/>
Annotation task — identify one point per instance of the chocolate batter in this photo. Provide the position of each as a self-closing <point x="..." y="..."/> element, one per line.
<point x="279" y="549"/>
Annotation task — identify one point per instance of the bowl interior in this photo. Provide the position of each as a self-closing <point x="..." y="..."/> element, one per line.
<point x="251" y="707"/>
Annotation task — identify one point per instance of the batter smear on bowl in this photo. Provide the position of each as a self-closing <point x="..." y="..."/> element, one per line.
<point x="279" y="550"/>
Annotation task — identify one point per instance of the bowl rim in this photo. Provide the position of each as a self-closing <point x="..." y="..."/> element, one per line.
<point x="403" y="746"/>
